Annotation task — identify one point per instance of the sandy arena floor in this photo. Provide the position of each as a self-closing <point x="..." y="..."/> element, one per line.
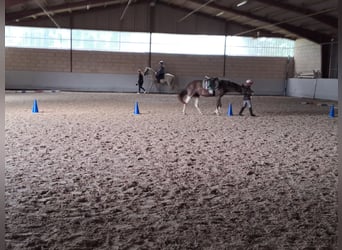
<point x="86" y="173"/>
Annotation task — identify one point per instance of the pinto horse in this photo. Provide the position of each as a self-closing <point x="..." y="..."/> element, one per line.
<point x="195" y="89"/>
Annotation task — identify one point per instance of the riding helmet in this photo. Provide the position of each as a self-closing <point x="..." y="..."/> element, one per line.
<point x="249" y="82"/>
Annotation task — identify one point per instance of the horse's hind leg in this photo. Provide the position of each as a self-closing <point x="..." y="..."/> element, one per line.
<point x="196" y="105"/>
<point x="187" y="99"/>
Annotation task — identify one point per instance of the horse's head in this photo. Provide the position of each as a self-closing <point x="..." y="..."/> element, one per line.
<point x="146" y="70"/>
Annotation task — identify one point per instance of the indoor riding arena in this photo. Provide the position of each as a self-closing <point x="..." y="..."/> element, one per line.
<point x="87" y="173"/>
<point x="92" y="164"/>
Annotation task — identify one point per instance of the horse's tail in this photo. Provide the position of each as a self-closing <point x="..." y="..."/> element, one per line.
<point x="181" y="95"/>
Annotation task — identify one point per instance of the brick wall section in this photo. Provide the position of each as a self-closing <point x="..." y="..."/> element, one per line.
<point x="190" y="65"/>
<point x="257" y="67"/>
<point x="128" y="63"/>
<point x="37" y="60"/>
<point x="105" y="62"/>
<point x="236" y="67"/>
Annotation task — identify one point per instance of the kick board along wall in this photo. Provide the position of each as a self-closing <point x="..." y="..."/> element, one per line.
<point x="103" y="71"/>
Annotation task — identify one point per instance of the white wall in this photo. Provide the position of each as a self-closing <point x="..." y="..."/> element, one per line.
<point x="37" y="80"/>
<point x="67" y="81"/>
<point x="326" y="89"/>
<point x="308" y="56"/>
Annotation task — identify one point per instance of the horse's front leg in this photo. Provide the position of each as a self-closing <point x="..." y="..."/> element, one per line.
<point x="196" y="105"/>
<point x="218" y="105"/>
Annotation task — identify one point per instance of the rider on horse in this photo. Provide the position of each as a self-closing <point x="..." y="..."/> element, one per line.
<point x="160" y="74"/>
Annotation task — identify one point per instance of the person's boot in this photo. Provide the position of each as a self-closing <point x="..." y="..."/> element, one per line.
<point x="251" y="112"/>
<point x="241" y="110"/>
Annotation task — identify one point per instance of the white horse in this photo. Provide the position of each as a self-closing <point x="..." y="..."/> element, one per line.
<point x="168" y="78"/>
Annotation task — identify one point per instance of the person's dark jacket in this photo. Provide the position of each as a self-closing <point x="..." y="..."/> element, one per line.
<point x="141" y="79"/>
<point x="246" y="92"/>
<point x="161" y="73"/>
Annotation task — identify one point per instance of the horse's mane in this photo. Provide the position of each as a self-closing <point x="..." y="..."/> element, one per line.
<point x="229" y="82"/>
<point x="149" y="68"/>
<point x="229" y="86"/>
<point x="222" y="82"/>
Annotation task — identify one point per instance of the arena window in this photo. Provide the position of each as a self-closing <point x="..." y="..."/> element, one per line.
<point x="31" y="37"/>
<point x="187" y="44"/>
<point x="139" y="42"/>
<point x="249" y="46"/>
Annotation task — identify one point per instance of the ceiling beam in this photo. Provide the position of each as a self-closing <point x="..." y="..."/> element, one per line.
<point x="300" y="32"/>
<point x="126" y="8"/>
<point x="47" y="13"/>
<point x="322" y="18"/>
<point x="195" y="10"/>
<point x="11" y="17"/>
<point x="265" y="32"/>
<point x="10" y="3"/>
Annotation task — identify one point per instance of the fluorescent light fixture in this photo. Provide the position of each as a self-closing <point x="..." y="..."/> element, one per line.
<point x="220" y="13"/>
<point x="241" y="3"/>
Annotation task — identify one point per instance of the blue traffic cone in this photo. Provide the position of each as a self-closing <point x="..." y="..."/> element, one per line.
<point x="230" y="110"/>
<point x="35" y="106"/>
<point x="332" y="111"/>
<point x="136" y="109"/>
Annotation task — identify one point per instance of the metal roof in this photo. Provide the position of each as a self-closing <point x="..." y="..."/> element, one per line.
<point x="316" y="20"/>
